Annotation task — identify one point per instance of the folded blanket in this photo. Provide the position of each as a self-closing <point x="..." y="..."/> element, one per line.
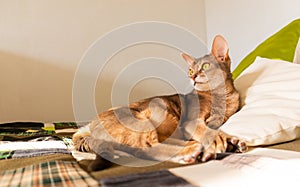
<point x="151" y="179"/>
<point x="31" y="153"/>
<point x="35" y="146"/>
<point x="32" y="145"/>
<point x="25" y="129"/>
<point x="54" y="173"/>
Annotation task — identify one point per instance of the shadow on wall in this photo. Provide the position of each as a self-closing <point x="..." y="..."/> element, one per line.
<point x="34" y="90"/>
<point x="37" y="90"/>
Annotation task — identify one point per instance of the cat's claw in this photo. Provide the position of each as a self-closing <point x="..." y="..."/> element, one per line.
<point x="223" y="143"/>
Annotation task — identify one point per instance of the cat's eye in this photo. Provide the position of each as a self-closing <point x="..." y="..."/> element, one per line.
<point x="205" y="66"/>
<point x="191" y="72"/>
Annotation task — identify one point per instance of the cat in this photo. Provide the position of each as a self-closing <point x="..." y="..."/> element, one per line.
<point x="179" y="128"/>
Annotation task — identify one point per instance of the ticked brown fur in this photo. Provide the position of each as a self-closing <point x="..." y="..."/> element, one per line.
<point x="176" y="127"/>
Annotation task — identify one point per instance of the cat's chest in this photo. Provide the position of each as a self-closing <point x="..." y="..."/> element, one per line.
<point x="197" y="106"/>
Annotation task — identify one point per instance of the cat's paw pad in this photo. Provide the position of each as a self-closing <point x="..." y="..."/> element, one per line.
<point x="236" y="145"/>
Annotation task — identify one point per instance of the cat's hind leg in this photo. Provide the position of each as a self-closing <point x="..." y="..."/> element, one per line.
<point x="79" y="141"/>
<point x="104" y="151"/>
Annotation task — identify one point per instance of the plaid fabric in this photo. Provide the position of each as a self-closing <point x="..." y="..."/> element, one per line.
<point x="54" y="173"/>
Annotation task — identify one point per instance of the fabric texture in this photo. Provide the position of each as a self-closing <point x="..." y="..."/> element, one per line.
<point x="35" y="146"/>
<point x="32" y="145"/>
<point x="31" y="153"/>
<point x="279" y="46"/>
<point x="297" y="53"/>
<point x="54" y="173"/>
<point x="270" y="95"/>
<point x="150" y="179"/>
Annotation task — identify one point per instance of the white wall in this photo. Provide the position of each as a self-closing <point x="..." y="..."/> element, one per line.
<point x="42" y="42"/>
<point x="245" y="24"/>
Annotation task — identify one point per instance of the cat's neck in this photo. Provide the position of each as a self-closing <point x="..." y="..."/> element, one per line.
<point x="229" y="87"/>
<point x="226" y="89"/>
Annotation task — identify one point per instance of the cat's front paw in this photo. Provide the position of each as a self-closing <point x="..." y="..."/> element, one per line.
<point x="189" y="153"/>
<point x="235" y="144"/>
<point x="220" y="144"/>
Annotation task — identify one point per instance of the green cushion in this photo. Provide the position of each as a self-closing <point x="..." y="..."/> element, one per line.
<point x="281" y="45"/>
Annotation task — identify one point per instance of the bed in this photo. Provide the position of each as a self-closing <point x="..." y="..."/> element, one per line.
<point x="39" y="154"/>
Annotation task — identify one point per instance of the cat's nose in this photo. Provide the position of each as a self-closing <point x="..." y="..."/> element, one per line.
<point x="201" y="78"/>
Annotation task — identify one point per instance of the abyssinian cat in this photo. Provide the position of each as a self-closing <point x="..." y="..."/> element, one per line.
<point x="180" y="128"/>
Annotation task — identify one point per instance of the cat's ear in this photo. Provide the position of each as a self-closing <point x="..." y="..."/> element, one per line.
<point x="220" y="48"/>
<point x="190" y="60"/>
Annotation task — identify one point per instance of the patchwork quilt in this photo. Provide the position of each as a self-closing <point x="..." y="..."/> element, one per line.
<point x="37" y="154"/>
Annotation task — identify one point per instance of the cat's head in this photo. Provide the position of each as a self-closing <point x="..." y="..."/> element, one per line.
<point x="210" y="71"/>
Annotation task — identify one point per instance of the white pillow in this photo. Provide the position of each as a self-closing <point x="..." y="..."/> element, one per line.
<point x="297" y="53"/>
<point x="270" y="94"/>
